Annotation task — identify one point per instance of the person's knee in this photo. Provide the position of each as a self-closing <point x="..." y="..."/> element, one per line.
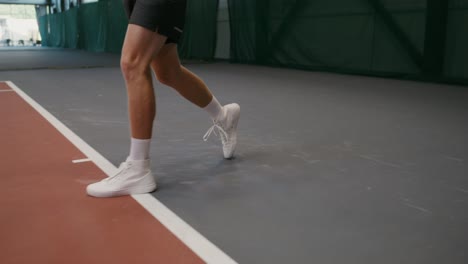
<point x="131" y="67"/>
<point x="168" y="75"/>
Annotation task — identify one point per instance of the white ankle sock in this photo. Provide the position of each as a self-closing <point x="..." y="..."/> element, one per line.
<point x="214" y="109"/>
<point x="139" y="149"/>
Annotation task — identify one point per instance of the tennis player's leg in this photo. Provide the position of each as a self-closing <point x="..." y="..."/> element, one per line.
<point x="170" y="72"/>
<point x="141" y="45"/>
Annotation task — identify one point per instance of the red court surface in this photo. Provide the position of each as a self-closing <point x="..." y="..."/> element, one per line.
<point x="4" y="86"/>
<point x="47" y="217"/>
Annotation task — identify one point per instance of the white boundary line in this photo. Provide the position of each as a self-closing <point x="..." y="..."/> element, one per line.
<point x="4" y="91"/>
<point x="201" y="246"/>
<point x="81" y="160"/>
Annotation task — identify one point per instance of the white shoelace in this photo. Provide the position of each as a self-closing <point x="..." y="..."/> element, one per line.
<point x="122" y="168"/>
<point x="221" y="131"/>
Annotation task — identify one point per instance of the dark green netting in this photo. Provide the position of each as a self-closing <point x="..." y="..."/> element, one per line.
<point x="340" y="34"/>
<point x="57" y="30"/>
<point x="101" y="26"/>
<point x="456" y="59"/>
<point x="116" y="25"/>
<point x="71" y="28"/>
<point x="43" y="23"/>
<point x="92" y="27"/>
<point x="374" y="37"/>
<point x="199" y="38"/>
<point x="418" y="39"/>
<point x="243" y="31"/>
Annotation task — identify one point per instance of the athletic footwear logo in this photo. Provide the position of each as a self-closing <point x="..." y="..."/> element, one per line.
<point x="178" y="29"/>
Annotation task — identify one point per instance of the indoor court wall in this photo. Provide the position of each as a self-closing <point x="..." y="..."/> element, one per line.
<point x="418" y="39"/>
<point x="101" y="27"/>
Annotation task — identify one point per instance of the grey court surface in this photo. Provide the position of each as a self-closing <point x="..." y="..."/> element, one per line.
<point x="329" y="168"/>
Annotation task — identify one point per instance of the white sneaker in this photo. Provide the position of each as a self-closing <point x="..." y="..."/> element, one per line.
<point x="227" y="128"/>
<point x="132" y="177"/>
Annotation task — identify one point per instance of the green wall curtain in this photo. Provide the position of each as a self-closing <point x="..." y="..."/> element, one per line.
<point x="97" y="27"/>
<point x="101" y="27"/>
<point x="199" y="38"/>
<point x="372" y="37"/>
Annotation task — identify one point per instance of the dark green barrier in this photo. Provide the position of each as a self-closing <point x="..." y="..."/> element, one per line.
<point x="199" y="38"/>
<point x="43" y="23"/>
<point x="101" y="26"/>
<point x="372" y="37"/>
<point x="456" y="60"/>
<point x="92" y="27"/>
<point x="116" y="26"/>
<point x="71" y="28"/>
<point x="57" y="30"/>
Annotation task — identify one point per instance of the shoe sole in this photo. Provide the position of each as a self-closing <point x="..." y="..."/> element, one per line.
<point x="130" y="191"/>
<point x="234" y="134"/>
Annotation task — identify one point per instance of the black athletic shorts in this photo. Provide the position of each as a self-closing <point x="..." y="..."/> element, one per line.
<point x="165" y="16"/>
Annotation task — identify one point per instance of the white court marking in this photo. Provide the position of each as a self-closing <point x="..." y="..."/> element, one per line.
<point x="4" y="91"/>
<point x="81" y="160"/>
<point x="201" y="246"/>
